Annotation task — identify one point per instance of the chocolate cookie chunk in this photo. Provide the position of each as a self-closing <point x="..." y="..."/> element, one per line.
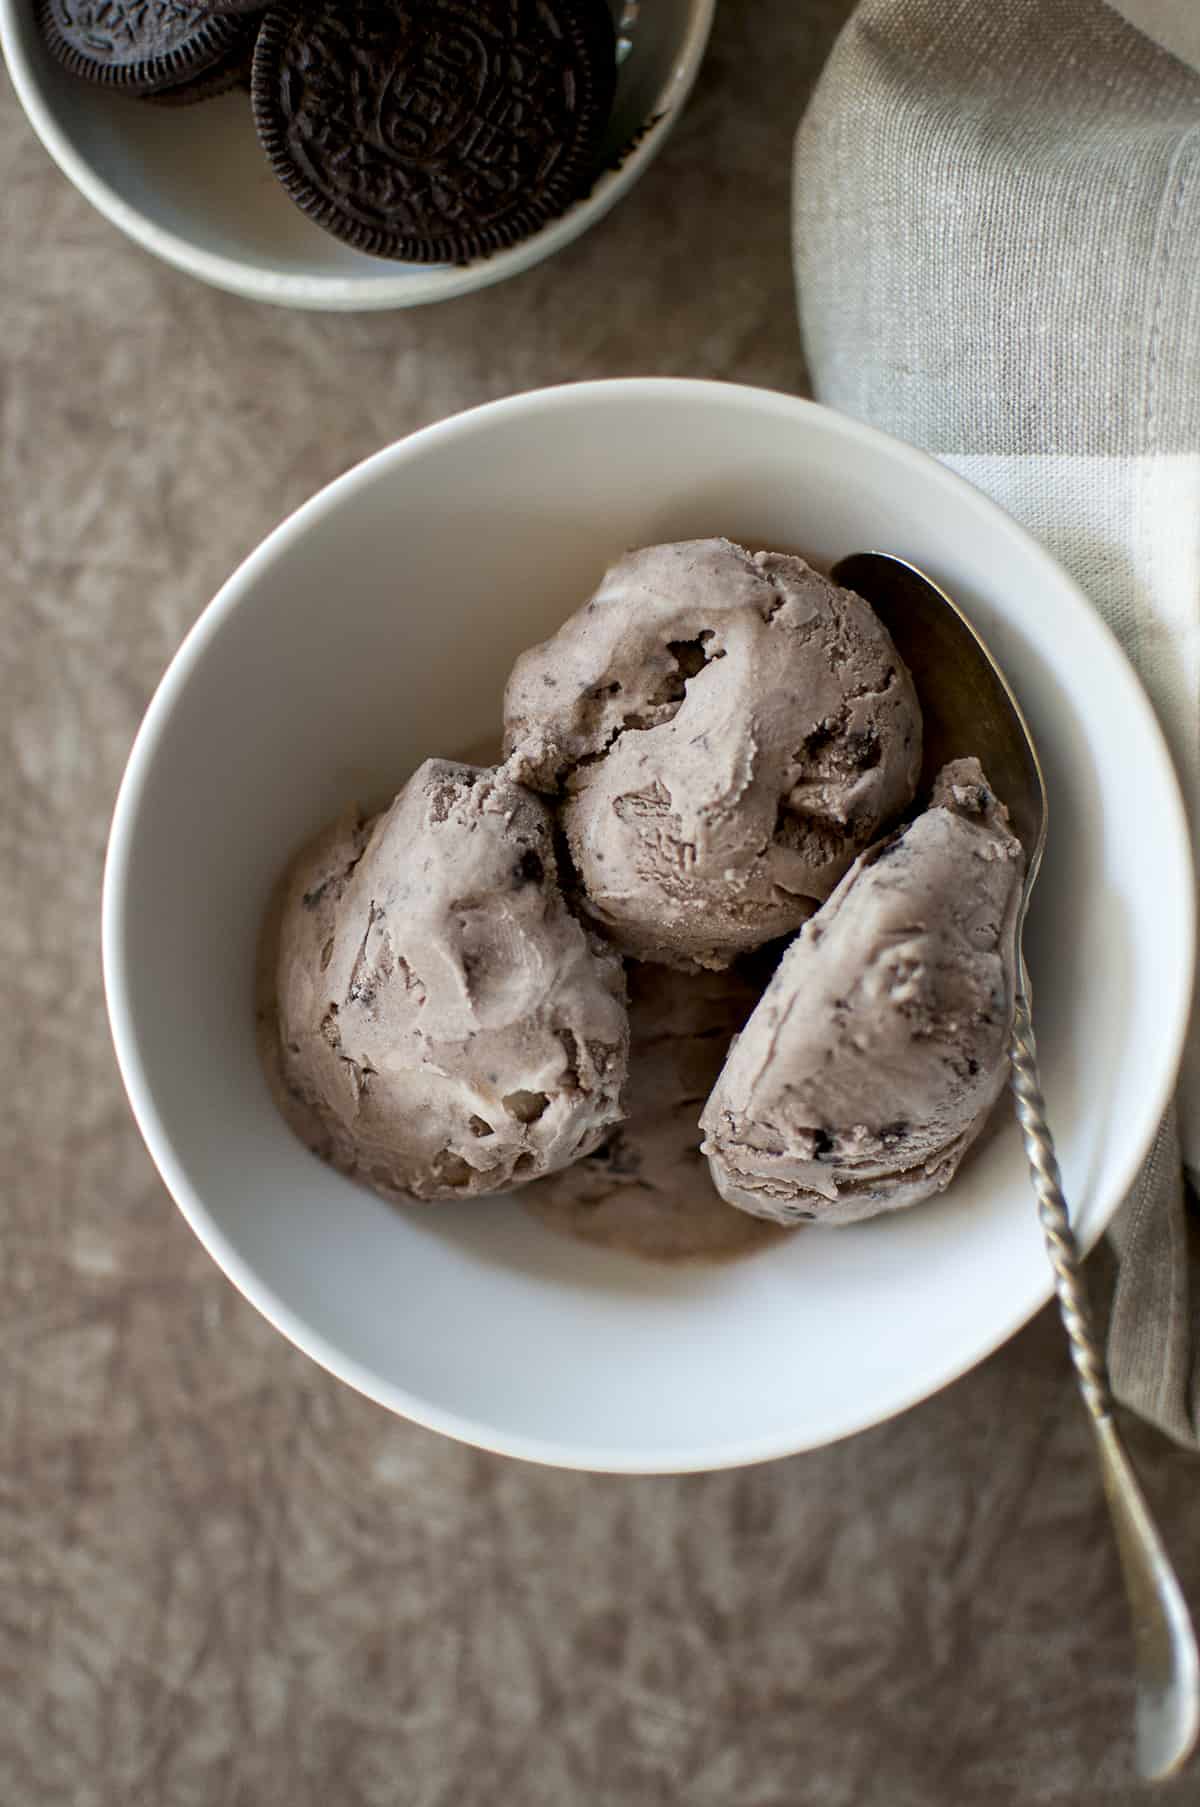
<point x="434" y="131"/>
<point x="140" y="46"/>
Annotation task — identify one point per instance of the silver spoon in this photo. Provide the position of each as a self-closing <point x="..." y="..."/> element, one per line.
<point x="977" y="714"/>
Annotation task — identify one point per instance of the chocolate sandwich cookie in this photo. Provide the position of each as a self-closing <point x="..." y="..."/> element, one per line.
<point x="139" y="46"/>
<point x="231" y="72"/>
<point x="434" y="131"/>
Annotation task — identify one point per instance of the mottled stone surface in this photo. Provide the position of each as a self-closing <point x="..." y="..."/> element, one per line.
<point x="228" y="1581"/>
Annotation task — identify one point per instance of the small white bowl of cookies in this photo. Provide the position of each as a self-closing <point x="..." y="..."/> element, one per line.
<point x="381" y="154"/>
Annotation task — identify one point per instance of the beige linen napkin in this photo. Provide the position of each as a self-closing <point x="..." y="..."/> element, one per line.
<point x="997" y="247"/>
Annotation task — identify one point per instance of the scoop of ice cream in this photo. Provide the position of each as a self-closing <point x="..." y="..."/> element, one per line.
<point x="438" y="1023"/>
<point x="880" y="1045"/>
<point x="730" y="731"/>
<point x="646" y="1188"/>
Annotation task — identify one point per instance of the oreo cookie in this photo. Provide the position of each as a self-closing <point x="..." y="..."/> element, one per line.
<point x="139" y="46"/>
<point x="232" y="71"/>
<point x="434" y="131"/>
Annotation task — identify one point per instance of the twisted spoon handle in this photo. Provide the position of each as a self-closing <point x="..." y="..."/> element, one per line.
<point x="1168" y="1669"/>
<point x="1061" y="1246"/>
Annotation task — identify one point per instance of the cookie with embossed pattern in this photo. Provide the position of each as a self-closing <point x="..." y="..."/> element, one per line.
<point x="233" y="71"/>
<point x="434" y="131"/>
<point x="139" y="46"/>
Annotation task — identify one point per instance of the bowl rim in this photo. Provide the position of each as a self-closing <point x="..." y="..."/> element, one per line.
<point x="237" y="592"/>
<point x="418" y="286"/>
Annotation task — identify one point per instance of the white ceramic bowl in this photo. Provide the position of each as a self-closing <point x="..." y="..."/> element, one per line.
<point x="192" y="185"/>
<point x="377" y="626"/>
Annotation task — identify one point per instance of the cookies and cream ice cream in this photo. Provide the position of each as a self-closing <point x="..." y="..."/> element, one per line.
<point x="436" y="1021"/>
<point x="880" y="1045"/>
<point x="708" y="756"/>
<point x="728" y="732"/>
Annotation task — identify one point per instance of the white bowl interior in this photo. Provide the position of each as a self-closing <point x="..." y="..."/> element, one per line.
<point x="376" y="627"/>
<point x="192" y="184"/>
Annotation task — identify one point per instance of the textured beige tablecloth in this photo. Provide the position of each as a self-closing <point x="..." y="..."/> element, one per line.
<point x="225" y="1580"/>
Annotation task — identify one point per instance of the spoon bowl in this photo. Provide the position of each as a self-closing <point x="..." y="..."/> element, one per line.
<point x="975" y="716"/>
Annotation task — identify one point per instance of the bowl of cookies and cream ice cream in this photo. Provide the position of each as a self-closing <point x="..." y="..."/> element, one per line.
<point x="471" y="1208"/>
